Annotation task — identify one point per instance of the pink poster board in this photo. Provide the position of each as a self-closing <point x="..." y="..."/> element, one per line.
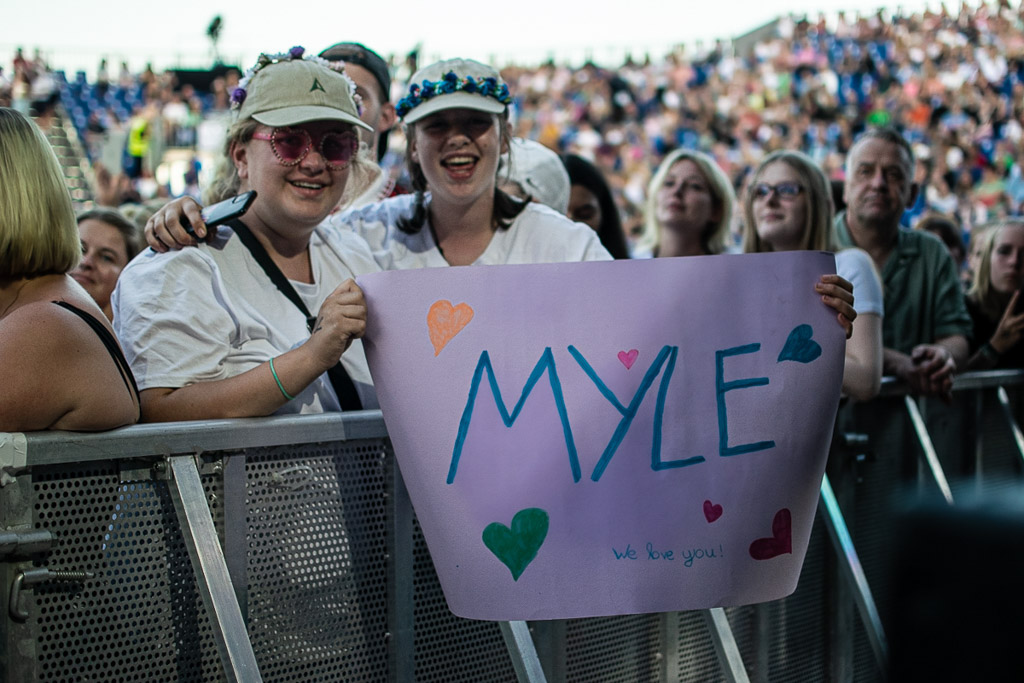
<point x="610" y="438"/>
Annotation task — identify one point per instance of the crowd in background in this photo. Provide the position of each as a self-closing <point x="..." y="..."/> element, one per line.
<point x="952" y="80"/>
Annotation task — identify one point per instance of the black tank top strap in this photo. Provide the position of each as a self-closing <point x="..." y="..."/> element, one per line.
<point x="113" y="348"/>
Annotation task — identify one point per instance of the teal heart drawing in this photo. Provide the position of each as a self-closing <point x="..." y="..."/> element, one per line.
<point x="800" y="347"/>
<point x="516" y="547"/>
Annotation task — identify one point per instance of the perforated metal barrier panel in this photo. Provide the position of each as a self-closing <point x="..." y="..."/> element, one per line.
<point x="335" y="586"/>
<point x="139" y="616"/>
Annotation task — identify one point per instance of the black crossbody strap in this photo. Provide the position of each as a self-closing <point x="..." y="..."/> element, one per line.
<point x="342" y="383"/>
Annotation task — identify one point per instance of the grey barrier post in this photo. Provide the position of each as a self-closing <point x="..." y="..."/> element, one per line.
<point x="851" y="570"/>
<point x="523" y="652"/>
<point x="211" y="571"/>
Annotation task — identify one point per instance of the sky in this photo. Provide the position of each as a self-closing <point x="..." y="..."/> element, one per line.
<point x="76" y="35"/>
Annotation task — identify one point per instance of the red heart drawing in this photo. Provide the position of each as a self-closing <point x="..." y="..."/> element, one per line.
<point x="627" y="358"/>
<point x="712" y="511"/>
<point x="781" y="541"/>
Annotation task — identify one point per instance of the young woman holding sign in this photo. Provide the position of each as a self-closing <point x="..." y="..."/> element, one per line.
<point x="789" y="207"/>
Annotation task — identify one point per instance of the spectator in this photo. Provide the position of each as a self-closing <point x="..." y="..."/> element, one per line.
<point x="689" y="207"/>
<point x="531" y="171"/>
<point x="373" y="85"/>
<point x="207" y="332"/>
<point x="109" y="242"/>
<point x="63" y="368"/>
<point x="789" y="207"/>
<point x="926" y="325"/>
<point x="994" y="300"/>
<point x="591" y="202"/>
<point x="458" y="216"/>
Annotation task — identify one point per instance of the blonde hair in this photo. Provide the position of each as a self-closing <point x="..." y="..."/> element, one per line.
<point x="981" y="291"/>
<point x="38" y="232"/>
<point x="819" y="232"/>
<point x="715" y="238"/>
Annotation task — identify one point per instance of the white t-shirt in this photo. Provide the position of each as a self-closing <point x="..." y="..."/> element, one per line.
<point x="856" y="266"/>
<point x="537" y="235"/>
<point x="211" y="312"/>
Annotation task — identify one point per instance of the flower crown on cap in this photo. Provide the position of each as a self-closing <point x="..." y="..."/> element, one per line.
<point x="450" y="83"/>
<point x="238" y="94"/>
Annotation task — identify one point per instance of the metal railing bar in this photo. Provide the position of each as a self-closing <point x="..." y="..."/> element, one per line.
<point x="851" y="569"/>
<point x="172" y="438"/>
<point x="728" y="651"/>
<point x="211" y="571"/>
<point x="523" y="652"/>
<point x="1018" y="436"/>
<point x="928" y="449"/>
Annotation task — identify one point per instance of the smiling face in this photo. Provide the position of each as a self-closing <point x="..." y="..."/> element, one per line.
<point x="684" y="201"/>
<point x="104" y="255"/>
<point x="458" y="151"/>
<point x="1008" y="259"/>
<point x="780" y="220"/>
<point x="287" y="197"/>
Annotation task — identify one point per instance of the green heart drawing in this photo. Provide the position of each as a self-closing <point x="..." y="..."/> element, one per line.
<point x="799" y="346"/>
<point x="516" y="547"/>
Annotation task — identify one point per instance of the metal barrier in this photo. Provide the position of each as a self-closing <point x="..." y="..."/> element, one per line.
<point x="286" y="549"/>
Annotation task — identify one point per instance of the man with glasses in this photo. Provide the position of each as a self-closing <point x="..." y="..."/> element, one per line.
<point x="926" y="323"/>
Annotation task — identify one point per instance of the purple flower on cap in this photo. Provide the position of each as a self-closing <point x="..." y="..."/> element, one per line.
<point x="238" y="96"/>
<point x="296" y="52"/>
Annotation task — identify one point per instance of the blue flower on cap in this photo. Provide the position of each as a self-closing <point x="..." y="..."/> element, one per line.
<point x="451" y="83"/>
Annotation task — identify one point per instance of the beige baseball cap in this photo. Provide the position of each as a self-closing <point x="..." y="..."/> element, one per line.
<point x="293" y="91"/>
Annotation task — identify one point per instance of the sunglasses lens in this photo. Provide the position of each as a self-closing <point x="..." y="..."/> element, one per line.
<point x="290" y="144"/>
<point x="761" y="190"/>
<point x="338" y="148"/>
<point x="788" y="189"/>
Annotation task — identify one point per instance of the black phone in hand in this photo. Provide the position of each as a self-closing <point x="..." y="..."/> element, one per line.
<point x="222" y="212"/>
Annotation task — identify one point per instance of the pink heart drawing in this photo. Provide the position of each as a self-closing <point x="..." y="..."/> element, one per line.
<point x="627" y="358"/>
<point x="781" y="541"/>
<point x="712" y="511"/>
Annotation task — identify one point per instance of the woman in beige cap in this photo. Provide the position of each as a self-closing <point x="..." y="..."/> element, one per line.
<point x="255" y="321"/>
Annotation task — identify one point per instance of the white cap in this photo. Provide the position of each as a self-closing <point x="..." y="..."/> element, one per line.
<point x="539" y="171"/>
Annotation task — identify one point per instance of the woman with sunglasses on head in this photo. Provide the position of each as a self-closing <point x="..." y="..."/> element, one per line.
<point x="789" y="207"/>
<point x="255" y="321"/>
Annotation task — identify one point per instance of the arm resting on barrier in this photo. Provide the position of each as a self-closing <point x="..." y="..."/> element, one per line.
<point x="260" y="391"/>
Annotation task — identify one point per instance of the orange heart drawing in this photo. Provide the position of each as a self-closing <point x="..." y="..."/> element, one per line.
<point x="444" y="321"/>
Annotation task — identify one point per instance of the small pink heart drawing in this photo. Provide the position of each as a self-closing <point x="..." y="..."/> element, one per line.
<point x="781" y="541"/>
<point x="444" y="321"/>
<point x="712" y="511"/>
<point x="627" y="358"/>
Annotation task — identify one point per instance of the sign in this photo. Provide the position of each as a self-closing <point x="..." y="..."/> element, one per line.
<point x="607" y="438"/>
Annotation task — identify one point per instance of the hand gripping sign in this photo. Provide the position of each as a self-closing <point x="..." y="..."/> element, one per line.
<point x="607" y="438"/>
